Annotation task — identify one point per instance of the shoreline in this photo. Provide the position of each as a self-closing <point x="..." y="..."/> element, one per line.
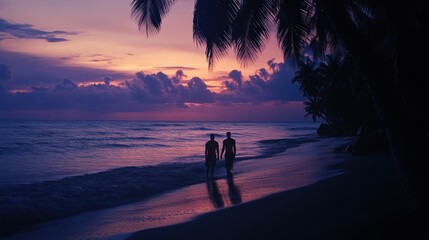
<point x="253" y="179"/>
<point x="25" y="206"/>
<point x="367" y="202"/>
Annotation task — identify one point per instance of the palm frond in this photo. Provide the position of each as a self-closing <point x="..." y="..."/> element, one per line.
<point x="252" y="27"/>
<point x="376" y="21"/>
<point x="368" y="7"/>
<point x="212" y="26"/>
<point x="320" y="42"/>
<point x="293" y="32"/>
<point x="149" y="13"/>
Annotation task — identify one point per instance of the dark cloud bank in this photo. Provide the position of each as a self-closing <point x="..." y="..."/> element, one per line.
<point x="150" y="92"/>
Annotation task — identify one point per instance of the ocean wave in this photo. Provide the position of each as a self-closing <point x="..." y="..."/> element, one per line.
<point x="15" y="150"/>
<point x="100" y="133"/>
<point x="116" y="145"/>
<point x="141" y="138"/>
<point x="166" y="125"/>
<point x="43" y="133"/>
<point x="123" y="145"/>
<point x="154" y="145"/>
<point x="271" y="147"/>
<point x="106" y="139"/>
<point x="61" y="145"/>
<point x="200" y="128"/>
<point x="27" y="204"/>
<point x="141" y="129"/>
<point x="303" y="128"/>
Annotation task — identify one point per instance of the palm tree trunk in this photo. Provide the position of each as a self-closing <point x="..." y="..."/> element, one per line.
<point x="406" y="140"/>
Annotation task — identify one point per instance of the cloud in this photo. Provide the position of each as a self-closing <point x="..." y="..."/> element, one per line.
<point x="5" y="72"/>
<point x="67" y="96"/>
<point x="175" y="68"/>
<point x="107" y="80"/>
<point x="197" y="92"/>
<point x="9" y="30"/>
<point x="35" y="71"/>
<point x="142" y="93"/>
<point x="100" y="58"/>
<point x="237" y="80"/>
<point x="70" y="57"/>
<point x="5" y="75"/>
<point x="266" y="85"/>
<point x="179" y="76"/>
<point x="53" y="39"/>
<point x="67" y="85"/>
<point x="280" y="85"/>
<point x="236" y="76"/>
<point x="159" y="88"/>
<point x="155" y="92"/>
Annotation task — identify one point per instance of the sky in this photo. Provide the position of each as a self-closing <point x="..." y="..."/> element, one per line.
<point x="88" y="60"/>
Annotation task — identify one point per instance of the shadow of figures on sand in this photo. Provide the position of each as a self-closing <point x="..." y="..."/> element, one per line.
<point x="214" y="194"/>
<point x="233" y="191"/>
<point x="216" y="197"/>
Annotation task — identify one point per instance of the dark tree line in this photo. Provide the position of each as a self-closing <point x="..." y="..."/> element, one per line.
<point x="335" y="93"/>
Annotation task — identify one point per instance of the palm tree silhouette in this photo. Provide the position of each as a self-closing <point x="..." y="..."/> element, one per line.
<point x="309" y="84"/>
<point x="367" y="30"/>
<point x="335" y="95"/>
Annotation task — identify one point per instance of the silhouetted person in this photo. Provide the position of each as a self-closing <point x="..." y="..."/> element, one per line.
<point x="229" y="148"/>
<point x="212" y="155"/>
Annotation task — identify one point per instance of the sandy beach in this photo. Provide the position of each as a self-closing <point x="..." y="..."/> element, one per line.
<point x="366" y="202"/>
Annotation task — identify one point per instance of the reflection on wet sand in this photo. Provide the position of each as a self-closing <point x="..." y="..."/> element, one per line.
<point x="215" y="195"/>
<point x="233" y="191"/>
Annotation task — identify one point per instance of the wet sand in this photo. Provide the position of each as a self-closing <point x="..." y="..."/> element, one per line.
<point x="366" y="202"/>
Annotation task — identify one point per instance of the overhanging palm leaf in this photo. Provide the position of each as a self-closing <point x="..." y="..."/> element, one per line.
<point x="373" y="20"/>
<point x="213" y="20"/>
<point x="252" y="27"/>
<point x="149" y="13"/>
<point x="321" y="42"/>
<point x="293" y="32"/>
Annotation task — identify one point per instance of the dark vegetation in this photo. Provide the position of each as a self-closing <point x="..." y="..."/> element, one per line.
<point x="353" y="80"/>
<point x="335" y="93"/>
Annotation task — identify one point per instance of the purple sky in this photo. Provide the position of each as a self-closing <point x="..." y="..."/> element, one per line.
<point x="82" y="60"/>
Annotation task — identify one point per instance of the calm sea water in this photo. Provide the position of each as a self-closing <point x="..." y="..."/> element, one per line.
<point x="34" y="151"/>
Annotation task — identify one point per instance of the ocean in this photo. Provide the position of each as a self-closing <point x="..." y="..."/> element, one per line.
<point x="36" y="151"/>
<point x="56" y="169"/>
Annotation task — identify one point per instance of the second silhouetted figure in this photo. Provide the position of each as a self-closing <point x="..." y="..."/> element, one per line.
<point x="230" y="150"/>
<point x="211" y="154"/>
